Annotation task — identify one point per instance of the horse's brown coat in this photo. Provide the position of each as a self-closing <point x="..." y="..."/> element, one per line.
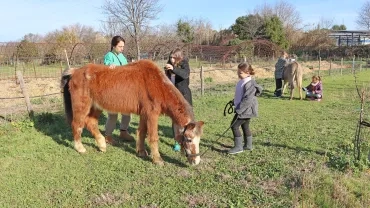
<point x="140" y="88"/>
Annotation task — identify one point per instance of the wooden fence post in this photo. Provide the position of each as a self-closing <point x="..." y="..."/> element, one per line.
<point x="25" y="93"/>
<point x="201" y="81"/>
<point x="15" y="70"/>
<point x="341" y="66"/>
<point x="353" y="63"/>
<point x="330" y="68"/>
<point x="319" y="65"/>
<point x="61" y="67"/>
<point x="34" y="68"/>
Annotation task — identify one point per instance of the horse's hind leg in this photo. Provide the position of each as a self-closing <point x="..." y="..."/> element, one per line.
<point x="284" y="87"/>
<point x="299" y="85"/>
<point x="91" y="123"/>
<point x="141" y="134"/>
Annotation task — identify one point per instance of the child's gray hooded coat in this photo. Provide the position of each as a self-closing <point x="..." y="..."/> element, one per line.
<point x="248" y="107"/>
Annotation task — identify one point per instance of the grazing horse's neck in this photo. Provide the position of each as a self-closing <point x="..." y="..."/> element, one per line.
<point x="182" y="119"/>
<point x="179" y="110"/>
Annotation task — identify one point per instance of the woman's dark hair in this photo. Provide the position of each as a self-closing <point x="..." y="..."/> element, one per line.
<point x="177" y="54"/>
<point x="115" y="40"/>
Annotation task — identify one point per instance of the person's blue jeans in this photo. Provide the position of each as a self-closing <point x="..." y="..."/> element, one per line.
<point x="313" y="95"/>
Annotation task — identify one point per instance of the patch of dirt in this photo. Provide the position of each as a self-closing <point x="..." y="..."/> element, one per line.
<point x="199" y="200"/>
<point x="110" y="199"/>
<point x="12" y="99"/>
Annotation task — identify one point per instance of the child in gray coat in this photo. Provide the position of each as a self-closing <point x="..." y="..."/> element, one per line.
<point x="246" y="107"/>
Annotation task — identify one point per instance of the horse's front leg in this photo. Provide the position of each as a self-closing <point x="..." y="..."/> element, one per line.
<point x="81" y="108"/>
<point x="141" y="134"/>
<point x="152" y="125"/>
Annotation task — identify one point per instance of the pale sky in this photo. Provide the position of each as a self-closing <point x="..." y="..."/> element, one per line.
<point x="20" y="17"/>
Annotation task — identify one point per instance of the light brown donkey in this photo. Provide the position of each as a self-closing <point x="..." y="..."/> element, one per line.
<point x="293" y="73"/>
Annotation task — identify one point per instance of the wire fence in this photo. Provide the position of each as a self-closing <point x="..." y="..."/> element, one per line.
<point x="210" y="66"/>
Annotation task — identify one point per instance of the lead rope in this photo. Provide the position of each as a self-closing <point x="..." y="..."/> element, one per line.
<point x="230" y="110"/>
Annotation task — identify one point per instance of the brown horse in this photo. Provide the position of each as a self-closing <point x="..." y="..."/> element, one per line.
<point x="293" y="75"/>
<point x="140" y="88"/>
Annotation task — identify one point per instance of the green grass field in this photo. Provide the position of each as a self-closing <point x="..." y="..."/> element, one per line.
<point x="302" y="157"/>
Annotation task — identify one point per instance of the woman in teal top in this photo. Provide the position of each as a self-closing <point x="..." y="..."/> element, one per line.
<point x="112" y="59"/>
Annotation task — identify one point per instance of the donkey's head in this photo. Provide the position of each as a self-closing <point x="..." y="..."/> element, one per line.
<point x="189" y="140"/>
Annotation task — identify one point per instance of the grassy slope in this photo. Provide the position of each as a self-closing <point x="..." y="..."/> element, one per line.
<point x="302" y="157"/>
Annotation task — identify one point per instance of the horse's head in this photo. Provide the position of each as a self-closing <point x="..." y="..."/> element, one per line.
<point x="189" y="140"/>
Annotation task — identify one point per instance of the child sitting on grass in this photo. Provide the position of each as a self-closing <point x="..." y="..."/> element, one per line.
<point x="314" y="89"/>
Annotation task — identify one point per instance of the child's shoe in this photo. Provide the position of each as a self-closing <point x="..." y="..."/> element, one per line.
<point x="248" y="143"/>
<point x="238" y="148"/>
<point x="176" y="147"/>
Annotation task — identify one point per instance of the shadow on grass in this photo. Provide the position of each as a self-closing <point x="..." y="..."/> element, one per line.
<point x="55" y="126"/>
<point x="297" y="149"/>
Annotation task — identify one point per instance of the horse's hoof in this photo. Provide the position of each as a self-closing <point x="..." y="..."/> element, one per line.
<point x="80" y="148"/>
<point x="158" y="162"/>
<point x="142" y="153"/>
<point x="103" y="149"/>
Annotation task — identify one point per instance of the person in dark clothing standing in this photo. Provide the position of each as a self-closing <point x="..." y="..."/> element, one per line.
<point x="279" y="72"/>
<point x="178" y="71"/>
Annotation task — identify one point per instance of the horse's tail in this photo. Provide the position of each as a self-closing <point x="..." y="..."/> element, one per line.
<point x="66" y="77"/>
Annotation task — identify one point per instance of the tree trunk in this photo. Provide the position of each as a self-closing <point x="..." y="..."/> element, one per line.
<point x="137" y="47"/>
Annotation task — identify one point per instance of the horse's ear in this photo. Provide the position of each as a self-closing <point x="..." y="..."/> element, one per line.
<point x="200" y="124"/>
<point x="199" y="129"/>
<point x="190" y="126"/>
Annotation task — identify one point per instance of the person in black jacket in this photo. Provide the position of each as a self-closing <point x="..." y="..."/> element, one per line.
<point x="178" y="71"/>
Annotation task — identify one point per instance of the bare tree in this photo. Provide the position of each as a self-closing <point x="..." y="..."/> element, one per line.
<point x="286" y="12"/>
<point x="363" y="19"/>
<point x="33" y="38"/>
<point x="325" y="23"/>
<point x="111" y="27"/>
<point x="160" y="40"/>
<point x="133" y="15"/>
